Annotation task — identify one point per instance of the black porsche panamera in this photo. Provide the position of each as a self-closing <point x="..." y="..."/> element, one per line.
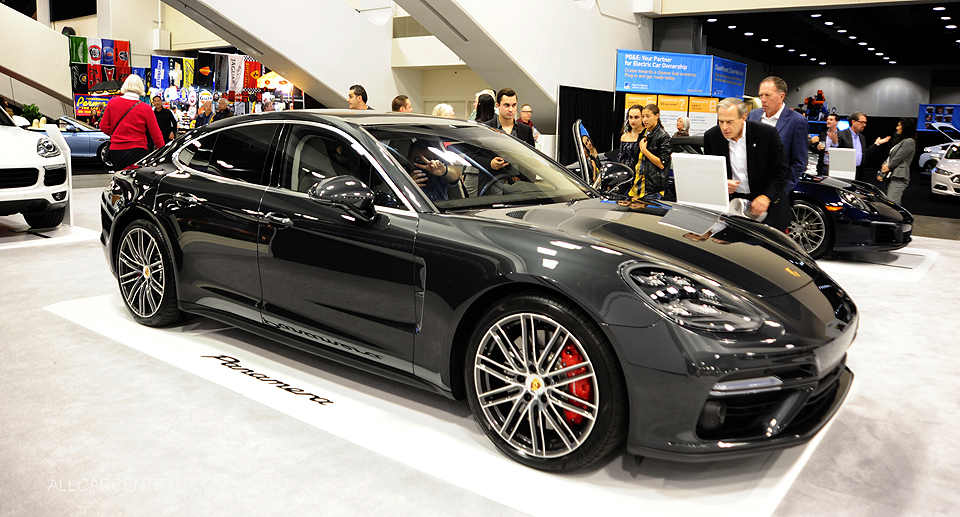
<point x="572" y="324"/>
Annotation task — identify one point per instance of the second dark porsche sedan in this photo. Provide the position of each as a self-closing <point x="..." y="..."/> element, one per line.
<point x="573" y="325"/>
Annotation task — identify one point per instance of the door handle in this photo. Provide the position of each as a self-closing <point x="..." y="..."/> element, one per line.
<point x="280" y="219"/>
<point x="185" y="200"/>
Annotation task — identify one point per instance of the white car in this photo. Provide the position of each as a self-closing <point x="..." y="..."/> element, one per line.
<point x="931" y="155"/>
<point x="33" y="175"/>
<point x="945" y="177"/>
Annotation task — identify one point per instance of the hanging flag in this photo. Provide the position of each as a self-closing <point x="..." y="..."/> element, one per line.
<point x="109" y="73"/>
<point x="221" y="78"/>
<point x="121" y="53"/>
<point x="252" y="71"/>
<point x="78" y="49"/>
<point x="236" y="72"/>
<point x="94" y="51"/>
<point x="159" y="65"/>
<point x="94" y="75"/>
<point x="106" y="54"/>
<point x="123" y="72"/>
<point x="78" y="77"/>
<point x="176" y="71"/>
<point x="203" y="70"/>
<point x="187" y="72"/>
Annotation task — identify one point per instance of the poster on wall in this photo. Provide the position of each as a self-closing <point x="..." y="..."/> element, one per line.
<point x="703" y="114"/>
<point x="728" y="79"/>
<point x="85" y="105"/>
<point x="672" y="107"/>
<point x="933" y="113"/>
<point x="663" y="72"/>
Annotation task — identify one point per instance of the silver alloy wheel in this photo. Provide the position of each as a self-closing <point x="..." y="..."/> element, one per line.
<point x="536" y="385"/>
<point x="807" y="228"/>
<point x="140" y="268"/>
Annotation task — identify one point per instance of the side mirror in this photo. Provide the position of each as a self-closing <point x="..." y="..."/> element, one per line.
<point x="348" y="194"/>
<point x="20" y="121"/>
<point x="613" y="175"/>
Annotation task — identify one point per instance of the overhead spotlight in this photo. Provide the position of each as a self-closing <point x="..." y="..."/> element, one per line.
<point x="823" y="62"/>
<point x="892" y="62"/>
<point x="879" y="53"/>
<point x="828" y="23"/>
<point x="886" y="58"/>
<point x="852" y="37"/>
<point x="944" y="17"/>
<point x="765" y="40"/>
<point x="951" y="27"/>
<point x="939" y="8"/>
<point x="862" y="43"/>
<point x="711" y="20"/>
<point x="803" y="55"/>
<point x="841" y="31"/>
<point x="958" y="41"/>
<point x="871" y="49"/>
<point x="814" y="15"/>
<point x="731" y="26"/>
<point x="748" y="34"/>
<point x="813" y="59"/>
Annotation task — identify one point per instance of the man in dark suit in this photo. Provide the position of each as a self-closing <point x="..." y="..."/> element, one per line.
<point x="853" y="138"/>
<point x="791" y="125"/>
<point x="756" y="165"/>
<point x="505" y="120"/>
<point x="823" y="142"/>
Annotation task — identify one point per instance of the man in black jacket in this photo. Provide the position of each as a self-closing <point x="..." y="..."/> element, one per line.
<point x="756" y="165"/>
<point x="853" y="138"/>
<point x="507" y="106"/>
<point x="165" y="119"/>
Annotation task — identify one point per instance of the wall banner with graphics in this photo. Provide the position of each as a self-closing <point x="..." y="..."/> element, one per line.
<point x="703" y="114"/>
<point x="672" y="107"/>
<point x="728" y="79"/>
<point x="678" y="74"/>
<point x="85" y="105"/>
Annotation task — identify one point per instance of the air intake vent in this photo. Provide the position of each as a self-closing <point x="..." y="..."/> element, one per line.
<point x="17" y="178"/>
<point x="55" y="176"/>
<point x="517" y="214"/>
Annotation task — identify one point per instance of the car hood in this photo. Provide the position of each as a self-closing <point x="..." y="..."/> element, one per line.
<point x="738" y="252"/>
<point x="19" y="145"/>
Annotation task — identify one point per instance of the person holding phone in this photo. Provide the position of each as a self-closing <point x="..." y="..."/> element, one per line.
<point x="431" y="175"/>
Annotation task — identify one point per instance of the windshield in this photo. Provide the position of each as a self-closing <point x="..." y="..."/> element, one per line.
<point x="953" y="153"/>
<point x="460" y="167"/>
<point x="5" y="119"/>
<point x="65" y="121"/>
<point x="949" y="131"/>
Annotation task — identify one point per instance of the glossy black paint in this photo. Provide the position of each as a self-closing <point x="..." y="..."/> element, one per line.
<point x="401" y="293"/>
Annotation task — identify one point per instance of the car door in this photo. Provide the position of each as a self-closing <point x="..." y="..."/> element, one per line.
<point x="76" y="139"/>
<point x="327" y="277"/>
<point x="213" y="203"/>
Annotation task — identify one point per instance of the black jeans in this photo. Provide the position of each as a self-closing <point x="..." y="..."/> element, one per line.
<point x="125" y="157"/>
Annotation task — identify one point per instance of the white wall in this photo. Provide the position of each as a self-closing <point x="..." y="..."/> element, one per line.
<point x="36" y="58"/>
<point x="455" y="86"/>
<point x="85" y="26"/>
<point x="130" y="20"/>
<point x="186" y="34"/>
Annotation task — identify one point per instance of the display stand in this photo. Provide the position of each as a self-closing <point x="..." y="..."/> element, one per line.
<point x="843" y="163"/>
<point x="701" y="181"/>
<point x="53" y="133"/>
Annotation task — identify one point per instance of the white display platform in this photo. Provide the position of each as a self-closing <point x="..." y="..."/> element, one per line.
<point x="903" y="265"/>
<point x="14" y="233"/>
<point x="701" y="181"/>
<point x="440" y="437"/>
<point x="843" y="163"/>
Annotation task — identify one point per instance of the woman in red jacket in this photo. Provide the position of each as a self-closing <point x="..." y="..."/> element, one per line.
<point x="128" y="122"/>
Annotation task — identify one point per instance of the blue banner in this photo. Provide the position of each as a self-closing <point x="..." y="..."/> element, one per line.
<point x="663" y="72"/>
<point x="679" y="74"/>
<point x="159" y="66"/>
<point x="728" y="79"/>
<point x="106" y="52"/>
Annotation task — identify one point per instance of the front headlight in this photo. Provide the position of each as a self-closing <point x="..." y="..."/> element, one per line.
<point x="853" y="200"/>
<point x="691" y="300"/>
<point x="47" y="148"/>
<point x="928" y="149"/>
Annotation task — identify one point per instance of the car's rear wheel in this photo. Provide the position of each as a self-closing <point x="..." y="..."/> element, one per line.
<point x="48" y="219"/>
<point x="104" y="154"/>
<point x="810" y="228"/>
<point x="145" y="275"/>
<point x="545" y="385"/>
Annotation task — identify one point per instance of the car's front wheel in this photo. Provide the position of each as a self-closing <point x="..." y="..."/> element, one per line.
<point x="145" y="275"/>
<point x="810" y="228"/>
<point x="104" y="154"/>
<point x="48" y="219"/>
<point x="545" y="385"/>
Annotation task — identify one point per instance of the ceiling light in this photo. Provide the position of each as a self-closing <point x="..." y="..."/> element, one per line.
<point x="841" y="31"/>
<point x="711" y="20"/>
<point x="862" y="43"/>
<point x="813" y="59"/>
<point x="852" y="37"/>
<point x="886" y="58"/>
<point x="879" y="53"/>
<point x="748" y="34"/>
<point x="731" y="26"/>
<point x="892" y="62"/>
<point x="958" y="41"/>
<point x="944" y="17"/>
<point x="765" y="40"/>
<point x="871" y="49"/>
<point x="951" y="27"/>
<point x="828" y="23"/>
<point x="803" y="55"/>
<point x="779" y="46"/>
<point x="939" y="8"/>
<point x="814" y="15"/>
<point x="791" y="50"/>
<point x="823" y="62"/>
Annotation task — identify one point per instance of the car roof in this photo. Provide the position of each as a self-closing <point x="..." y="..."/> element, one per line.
<point x="357" y="117"/>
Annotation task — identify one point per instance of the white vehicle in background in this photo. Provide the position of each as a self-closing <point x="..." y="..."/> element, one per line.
<point x="945" y="177"/>
<point x="931" y="155"/>
<point x="33" y="175"/>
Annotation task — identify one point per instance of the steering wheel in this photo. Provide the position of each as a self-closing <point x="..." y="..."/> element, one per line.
<point x="496" y="179"/>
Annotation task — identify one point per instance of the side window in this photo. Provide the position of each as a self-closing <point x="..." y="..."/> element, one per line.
<point x="240" y="153"/>
<point x="312" y="155"/>
<point x="196" y="154"/>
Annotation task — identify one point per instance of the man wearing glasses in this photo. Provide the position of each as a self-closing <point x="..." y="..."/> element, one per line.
<point x="526" y="117"/>
<point x="853" y="139"/>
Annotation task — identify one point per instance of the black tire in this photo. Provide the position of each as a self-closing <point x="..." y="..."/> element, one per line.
<point x="145" y="275"/>
<point x="104" y="154"/>
<point x="811" y="228"/>
<point x="533" y="412"/>
<point x="48" y="219"/>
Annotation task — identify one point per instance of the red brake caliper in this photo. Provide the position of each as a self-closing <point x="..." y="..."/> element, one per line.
<point x="580" y="389"/>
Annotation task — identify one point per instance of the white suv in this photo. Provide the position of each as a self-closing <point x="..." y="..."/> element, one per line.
<point x="33" y="176"/>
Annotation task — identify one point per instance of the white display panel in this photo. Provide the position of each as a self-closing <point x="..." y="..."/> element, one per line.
<point x="843" y="163"/>
<point x="701" y="181"/>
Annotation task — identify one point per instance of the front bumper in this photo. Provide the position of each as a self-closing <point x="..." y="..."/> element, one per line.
<point x="33" y="188"/>
<point x="945" y="184"/>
